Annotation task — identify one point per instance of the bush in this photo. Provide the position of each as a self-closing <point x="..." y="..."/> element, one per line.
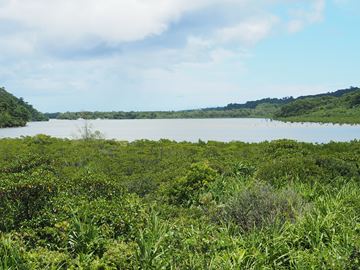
<point x="42" y="258"/>
<point x="142" y="186"/>
<point x="260" y="205"/>
<point x="334" y="167"/>
<point x="120" y="255"/>
<point x="187" y="189"/>
<point x="22" y="202"/>
<point x="285" y="170"/>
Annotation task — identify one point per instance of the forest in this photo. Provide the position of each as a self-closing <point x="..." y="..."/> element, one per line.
<point x="16" y="112"/>
<point x="342" y="106"/>
<point x="103" y="204"/>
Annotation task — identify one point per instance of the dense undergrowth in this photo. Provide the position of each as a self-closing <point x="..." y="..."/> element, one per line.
<point x="95" y="204"/>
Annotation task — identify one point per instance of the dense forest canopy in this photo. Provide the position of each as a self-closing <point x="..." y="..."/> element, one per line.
<point x="341" y="106"/>
<point x="16" y="112"/>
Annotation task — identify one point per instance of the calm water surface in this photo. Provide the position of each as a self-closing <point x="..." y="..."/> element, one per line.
<point x="247" y="130"/>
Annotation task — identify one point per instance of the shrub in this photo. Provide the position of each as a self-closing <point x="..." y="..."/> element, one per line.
<point x="121" y="255"/>
<point x="87" y="133"/>
<point x="95" y="185"/>
<point x="23" y="201"/>
<point x="334" y="167"/>
<point x="142" y="186"/>
<point x="42" y="258"/>
<point x="282" y="171"/>
<point x="260" y="205"/>
<point x="186" y="189"/>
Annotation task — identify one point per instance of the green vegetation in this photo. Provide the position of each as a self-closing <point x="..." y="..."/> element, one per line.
<point x="96" y="204"/>
<point x="342" y="106"/>
<point x="15" y="112"/>
<point x="263" y="110"/>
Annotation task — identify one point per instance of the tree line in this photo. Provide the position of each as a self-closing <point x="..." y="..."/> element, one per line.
<point x="341" y="106"/>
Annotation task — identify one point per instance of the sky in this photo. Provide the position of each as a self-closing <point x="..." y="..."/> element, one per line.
<point x="131" y="55"/>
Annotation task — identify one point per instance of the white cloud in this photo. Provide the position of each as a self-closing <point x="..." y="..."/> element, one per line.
<point x="50" y="47"/>
<point x="85" y="24"/>
<point x="302" y="17"/>
<point x="249" y="31"/>
<point x="111" y="21"/>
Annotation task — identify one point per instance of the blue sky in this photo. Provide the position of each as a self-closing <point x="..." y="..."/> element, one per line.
<point x="71" y="55"/>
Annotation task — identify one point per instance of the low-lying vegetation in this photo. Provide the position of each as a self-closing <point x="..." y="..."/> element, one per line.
<point x="96" y="204"/>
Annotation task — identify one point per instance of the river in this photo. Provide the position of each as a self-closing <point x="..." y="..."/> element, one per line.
<point x="225" y="130"/>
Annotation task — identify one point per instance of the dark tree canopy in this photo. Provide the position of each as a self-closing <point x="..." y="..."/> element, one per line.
<point x="16" y="112"/>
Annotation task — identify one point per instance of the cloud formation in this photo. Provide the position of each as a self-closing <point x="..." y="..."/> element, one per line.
<point x="60" y="47"/>
<point x="304" y="16"/>
<point x="249" y="31"/>
<point x="89" y="24"/>
<point x="111" y="21"/>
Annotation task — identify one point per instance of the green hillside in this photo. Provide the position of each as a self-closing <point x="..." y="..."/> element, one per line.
<point x="342" y="108"/>
<point x="15" y="112"/>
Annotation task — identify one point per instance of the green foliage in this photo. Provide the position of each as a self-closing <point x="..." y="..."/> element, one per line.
<point x="11" y="255"/>
<point x="23" y="200"/>
<point x="260" y="206"/>
<point x="150" y="241"/>
<point x="342" y="108"/>
<point x="186" y="189"/>
<point x="354" y="100"/>
<point x="96" y="204"/>
<point x="16" y="112"/>
<point x="84" y="235"/>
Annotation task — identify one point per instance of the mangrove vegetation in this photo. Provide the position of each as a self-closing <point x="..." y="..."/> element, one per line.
<point x="97" y="204"/>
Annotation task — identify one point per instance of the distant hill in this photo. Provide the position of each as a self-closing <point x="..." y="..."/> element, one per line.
<point x="15" y="112"/>
<point x="341" y="106"/>
<point x="284" y="100"/>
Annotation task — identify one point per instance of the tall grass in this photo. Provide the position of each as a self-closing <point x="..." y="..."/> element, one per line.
<point x="11" y="255"/>
<point x="150" y="241"/>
